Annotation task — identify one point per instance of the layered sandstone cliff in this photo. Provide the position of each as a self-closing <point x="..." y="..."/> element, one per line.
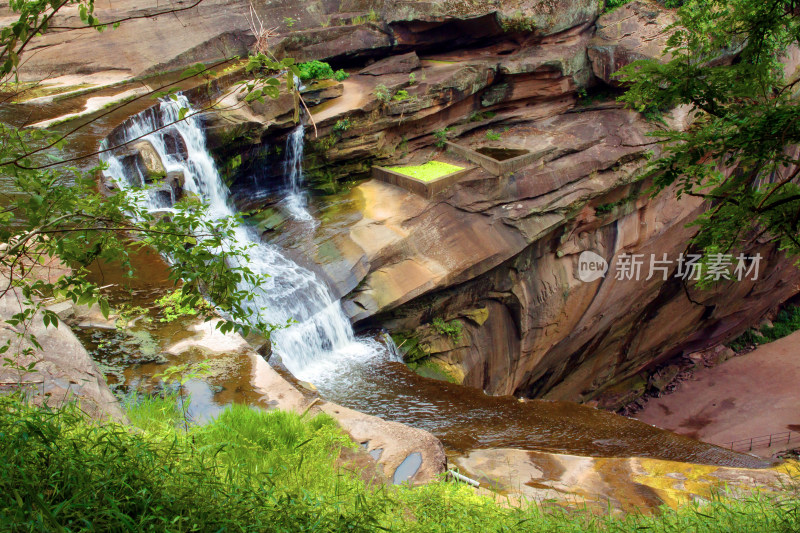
<point x="497" y="254"/>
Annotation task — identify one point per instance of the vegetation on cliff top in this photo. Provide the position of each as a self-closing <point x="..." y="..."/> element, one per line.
<point x="726" y="64"/>
<point x="251" y="470"/>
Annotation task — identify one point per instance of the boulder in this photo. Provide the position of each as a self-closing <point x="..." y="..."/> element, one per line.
<point x="62" y="369"/>
<point x="144" y="162"/>
<point x="399" y="64"/>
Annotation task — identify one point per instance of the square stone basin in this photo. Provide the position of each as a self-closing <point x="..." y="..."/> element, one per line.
<point x="421" y="180"/>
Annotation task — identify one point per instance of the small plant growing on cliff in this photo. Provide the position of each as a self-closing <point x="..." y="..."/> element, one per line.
<point x="342" y="125"/>
<point x="412" y="79"/>
<point x="315" y="70"/>
<point x="289" y="21"/>
<point x="518" y="23"/>
<point x="441" y="137"/>
<point x="491" y="135"/>
<point x="381" y="93"/>
<point x="451" y="329"/>
<point x="400" y="95"/>
<point x="373" y="16"/>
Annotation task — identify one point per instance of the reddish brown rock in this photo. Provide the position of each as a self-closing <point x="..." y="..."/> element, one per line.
<point x="631" y="32"/>
<point x="404" y="63"/>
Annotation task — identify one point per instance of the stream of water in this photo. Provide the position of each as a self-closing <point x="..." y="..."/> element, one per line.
<point x="296" y="199"/>
<point x="363" y="373"/>
<point x="321" y="337"/>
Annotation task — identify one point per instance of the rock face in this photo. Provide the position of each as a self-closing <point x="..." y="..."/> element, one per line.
<point x="63" y="370"/>
<point x="637" y="30"/>
<point x="506" y="248"/>
<point x="498" y="255"/>
<point x="216" y="29"/>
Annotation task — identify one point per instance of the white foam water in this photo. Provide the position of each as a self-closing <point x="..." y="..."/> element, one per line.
<point x="322" y="339"/>
<point x="296" y="200"/>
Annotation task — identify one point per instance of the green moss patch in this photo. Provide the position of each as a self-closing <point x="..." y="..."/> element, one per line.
<point x="428" y="172"/>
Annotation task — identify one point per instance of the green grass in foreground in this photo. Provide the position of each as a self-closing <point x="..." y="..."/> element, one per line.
<point x="267" y="471"/>
<point x="427" y="172"/>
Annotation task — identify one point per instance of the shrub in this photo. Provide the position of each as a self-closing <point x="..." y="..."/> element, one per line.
<point x="492" y="135"/>
<point x="451" y="329"/>
<point x="786" y="322"/>
<point x="315" y="70"/>
<point x="441" y="137"/>
<point x="340" y="75"/>
<point x="611" y="5"/>
<point x="400" y="95"/>
<point x="342" y="125"/>
<point x="381" y="93"/>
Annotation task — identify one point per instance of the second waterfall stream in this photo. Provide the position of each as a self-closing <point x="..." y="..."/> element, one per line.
<point x="321" y="338"/>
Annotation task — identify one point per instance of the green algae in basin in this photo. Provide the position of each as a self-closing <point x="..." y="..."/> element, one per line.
<point x="427" y="172"/>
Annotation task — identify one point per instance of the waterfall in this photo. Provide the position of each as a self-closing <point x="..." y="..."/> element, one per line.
<point x="322" y="338"/>
<point x="293" y="168"/>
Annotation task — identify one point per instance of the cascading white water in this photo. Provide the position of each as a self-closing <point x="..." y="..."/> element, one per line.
<point x="322" y="336"/>
<point x="293" y="168"/>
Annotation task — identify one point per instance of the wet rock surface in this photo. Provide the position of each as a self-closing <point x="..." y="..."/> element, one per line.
<point x="624" y="484"/>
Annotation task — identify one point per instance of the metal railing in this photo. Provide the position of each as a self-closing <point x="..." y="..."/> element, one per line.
<point x="765" y="441"/>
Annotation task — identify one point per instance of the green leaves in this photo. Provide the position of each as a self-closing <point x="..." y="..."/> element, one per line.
<point x="723" y="60"/>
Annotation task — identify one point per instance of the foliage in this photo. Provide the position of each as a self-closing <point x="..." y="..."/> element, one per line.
<point x="315" y="70"/>
<point x="746" y="116"/>
<point x="480" y="116"/>
<point x="174" y="306"/>
<point x="412" y="78"/>
<point x="381" y="93"/>
<point x="252" y="470"/>
<point x="55" y="211"/>
<point x="441" y="137"/>
<point x="451" y="329"/>
<point x="518" y="23"/>
<point x="181" y="375"/>
<point x="400" y="95"/>
<point x="289" y="21"/>
<point x="491" y="135"/>
<point x="409" y="346"/>
<point x="340" y="75"/>
<point x="342" y="125"/>
<point x="786" y="323"/>
<point x="428" y="171"/>
<point x="611" y="5"/>
<point x="153" y="413"/>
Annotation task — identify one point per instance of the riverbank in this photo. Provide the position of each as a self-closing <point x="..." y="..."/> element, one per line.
<point x="747" y="396"/>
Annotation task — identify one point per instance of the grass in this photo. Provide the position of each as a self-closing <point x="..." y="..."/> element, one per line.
<point x="427" y="172"/>
<point x="251" y="470"/>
